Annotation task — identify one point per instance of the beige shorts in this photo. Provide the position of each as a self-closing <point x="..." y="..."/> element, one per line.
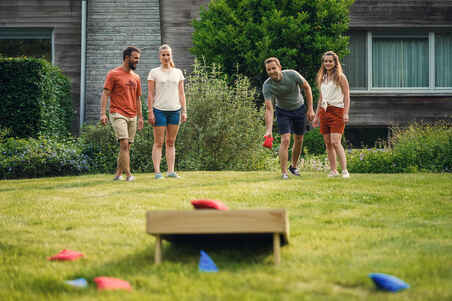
<point x="124" y="127"/>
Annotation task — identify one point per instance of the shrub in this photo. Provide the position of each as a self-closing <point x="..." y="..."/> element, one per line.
<point x="313" y="142"/>
<point x="36" y="98"/>
<point x="141" y="151"/>
<point x="419" y="147"/>
<point x="239" y="35"/>
<point x="99" y="144"/>
<point x="224" y="129"/>
<point x="43" y="157"/>
<point x="371" y="160"/>
<point x="423" y="146"/>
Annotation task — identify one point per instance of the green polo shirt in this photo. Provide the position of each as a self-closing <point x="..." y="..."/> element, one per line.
<point x="286" y="92"/>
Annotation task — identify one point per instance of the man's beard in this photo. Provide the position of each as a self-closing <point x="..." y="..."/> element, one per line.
<point x="132" y="66"/>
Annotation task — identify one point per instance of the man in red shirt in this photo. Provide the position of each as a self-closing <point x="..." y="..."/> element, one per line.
<point x="123" y="87"/>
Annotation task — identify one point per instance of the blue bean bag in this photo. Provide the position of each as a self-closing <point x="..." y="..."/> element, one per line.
<point x="388" y="282"/>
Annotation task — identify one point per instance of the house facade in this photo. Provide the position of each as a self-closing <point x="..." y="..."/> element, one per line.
<point x="399" y="68"/>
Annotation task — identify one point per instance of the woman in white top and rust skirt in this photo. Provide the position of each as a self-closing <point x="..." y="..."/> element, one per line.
<point x="332" y="110"/>
<point x="167" y="108"/>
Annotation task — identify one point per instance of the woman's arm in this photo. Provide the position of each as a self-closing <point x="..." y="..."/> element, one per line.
<point x="346" y="91"/>
<point x="151" y="95"/>
<point x="183" y="102"/>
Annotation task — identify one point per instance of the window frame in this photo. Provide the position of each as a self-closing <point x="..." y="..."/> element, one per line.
<point x="30" y="33"/>
<point x="431" y="89"/>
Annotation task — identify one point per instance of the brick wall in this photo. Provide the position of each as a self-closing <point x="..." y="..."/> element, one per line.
<point x="112" y="25"/>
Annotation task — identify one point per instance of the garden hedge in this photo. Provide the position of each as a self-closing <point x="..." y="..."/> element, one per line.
<point x="36" y="98"/>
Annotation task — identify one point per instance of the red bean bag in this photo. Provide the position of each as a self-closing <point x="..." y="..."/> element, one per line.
<point x="209" y="204"/>
<point x="108" y="283"/>
<point x="66" y="255"/>
<point x="268" y="143"/>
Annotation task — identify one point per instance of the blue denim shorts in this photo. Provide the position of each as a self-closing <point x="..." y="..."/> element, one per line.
<point x="291" y="121"/>
<point x="163" y="118"/>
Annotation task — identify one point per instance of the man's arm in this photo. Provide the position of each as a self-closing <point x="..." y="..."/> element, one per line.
<point x="316" y="121"/>
<point x="268" y="117"/>
<point x="308" y="93"/>
<point x="103" y="106"/>
<point x="139" y="113"/>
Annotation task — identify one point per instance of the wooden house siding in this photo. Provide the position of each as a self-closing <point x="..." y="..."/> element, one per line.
<point x="64" y="17"/>
<point x="112" y="25"/>
<point x="398" y="110"/>
<point x="176" y="17"/>
<point x="400" y="14"/>
<point x="386" y="109"/>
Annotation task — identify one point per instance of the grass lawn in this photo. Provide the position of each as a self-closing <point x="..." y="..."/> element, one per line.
<point x="340" y="231"/>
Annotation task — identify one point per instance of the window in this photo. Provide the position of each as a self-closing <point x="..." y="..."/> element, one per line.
<point x="443" y="60"/>
<point x="399" y="61"/>
<point x="31" y="42"/>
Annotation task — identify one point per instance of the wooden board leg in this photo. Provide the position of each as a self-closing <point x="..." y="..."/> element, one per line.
<point x="158" y="249"/>
<point x="276" y="248"/>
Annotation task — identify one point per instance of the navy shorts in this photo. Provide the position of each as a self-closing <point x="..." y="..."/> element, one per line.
<point x="163" y="118"/>
<point x="291" y="121"/>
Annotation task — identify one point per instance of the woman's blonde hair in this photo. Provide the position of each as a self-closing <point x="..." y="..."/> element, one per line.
<point x="167" y="47"/>
<point x="337" y="70"/>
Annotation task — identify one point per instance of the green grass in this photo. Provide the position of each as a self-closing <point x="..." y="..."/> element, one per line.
<point x="340" y="231"/>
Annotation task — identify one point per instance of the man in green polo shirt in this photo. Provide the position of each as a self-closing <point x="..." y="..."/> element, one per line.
<point x="284" y="88"/>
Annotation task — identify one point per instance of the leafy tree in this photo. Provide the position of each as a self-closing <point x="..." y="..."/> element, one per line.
<point x="240" y="34"/>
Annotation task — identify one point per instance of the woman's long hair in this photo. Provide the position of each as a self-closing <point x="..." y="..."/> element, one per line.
<point x="167" y="47"/>
<point x="337" y="70"/>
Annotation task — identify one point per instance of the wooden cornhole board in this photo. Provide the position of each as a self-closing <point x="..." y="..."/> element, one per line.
<point x="269" y="224"/>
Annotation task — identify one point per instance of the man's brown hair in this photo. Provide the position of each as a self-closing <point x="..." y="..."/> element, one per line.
<point x="128" y="51"/>
<point x="272" y="59"/>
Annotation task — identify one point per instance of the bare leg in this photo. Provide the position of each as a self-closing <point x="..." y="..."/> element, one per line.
<point x="284" y="152"/>
<point x="330" y="151"/>
<point x="339" y="149"/>
<point x="118" y="168"/>
<point x="124" y="156"/>
<point x="159" y="136"/>
<point x="170" y="150"/>
<point x="296" y="149"/>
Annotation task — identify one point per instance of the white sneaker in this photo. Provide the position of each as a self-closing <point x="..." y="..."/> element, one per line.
<point x="333" y="174"/>
<point x="284" y="176"/>
<point x="345" y="174"/>
<point x="130" y="179"/>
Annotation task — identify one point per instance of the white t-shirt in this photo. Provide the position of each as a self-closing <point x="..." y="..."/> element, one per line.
<point x="166" y="88"/>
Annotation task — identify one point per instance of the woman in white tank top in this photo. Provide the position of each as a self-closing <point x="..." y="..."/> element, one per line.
<point x="332" y="110"/>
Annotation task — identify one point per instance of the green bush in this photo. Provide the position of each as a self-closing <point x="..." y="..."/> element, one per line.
<point x="99" y="144"/>
<point x="141" y="151"/>
<point x="224" y="129"/>
<point x="423" y="146"/>
<point x="313" y="142"/>
<point x="371" y="160"/>
<point x="43" y="157"/>
<point x="36" y="98"/>
<point x="419" y="147"/>
<point x="239" y="35"/>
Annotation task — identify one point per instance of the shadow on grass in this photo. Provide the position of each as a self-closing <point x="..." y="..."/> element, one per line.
<point x="229" y="254"/>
